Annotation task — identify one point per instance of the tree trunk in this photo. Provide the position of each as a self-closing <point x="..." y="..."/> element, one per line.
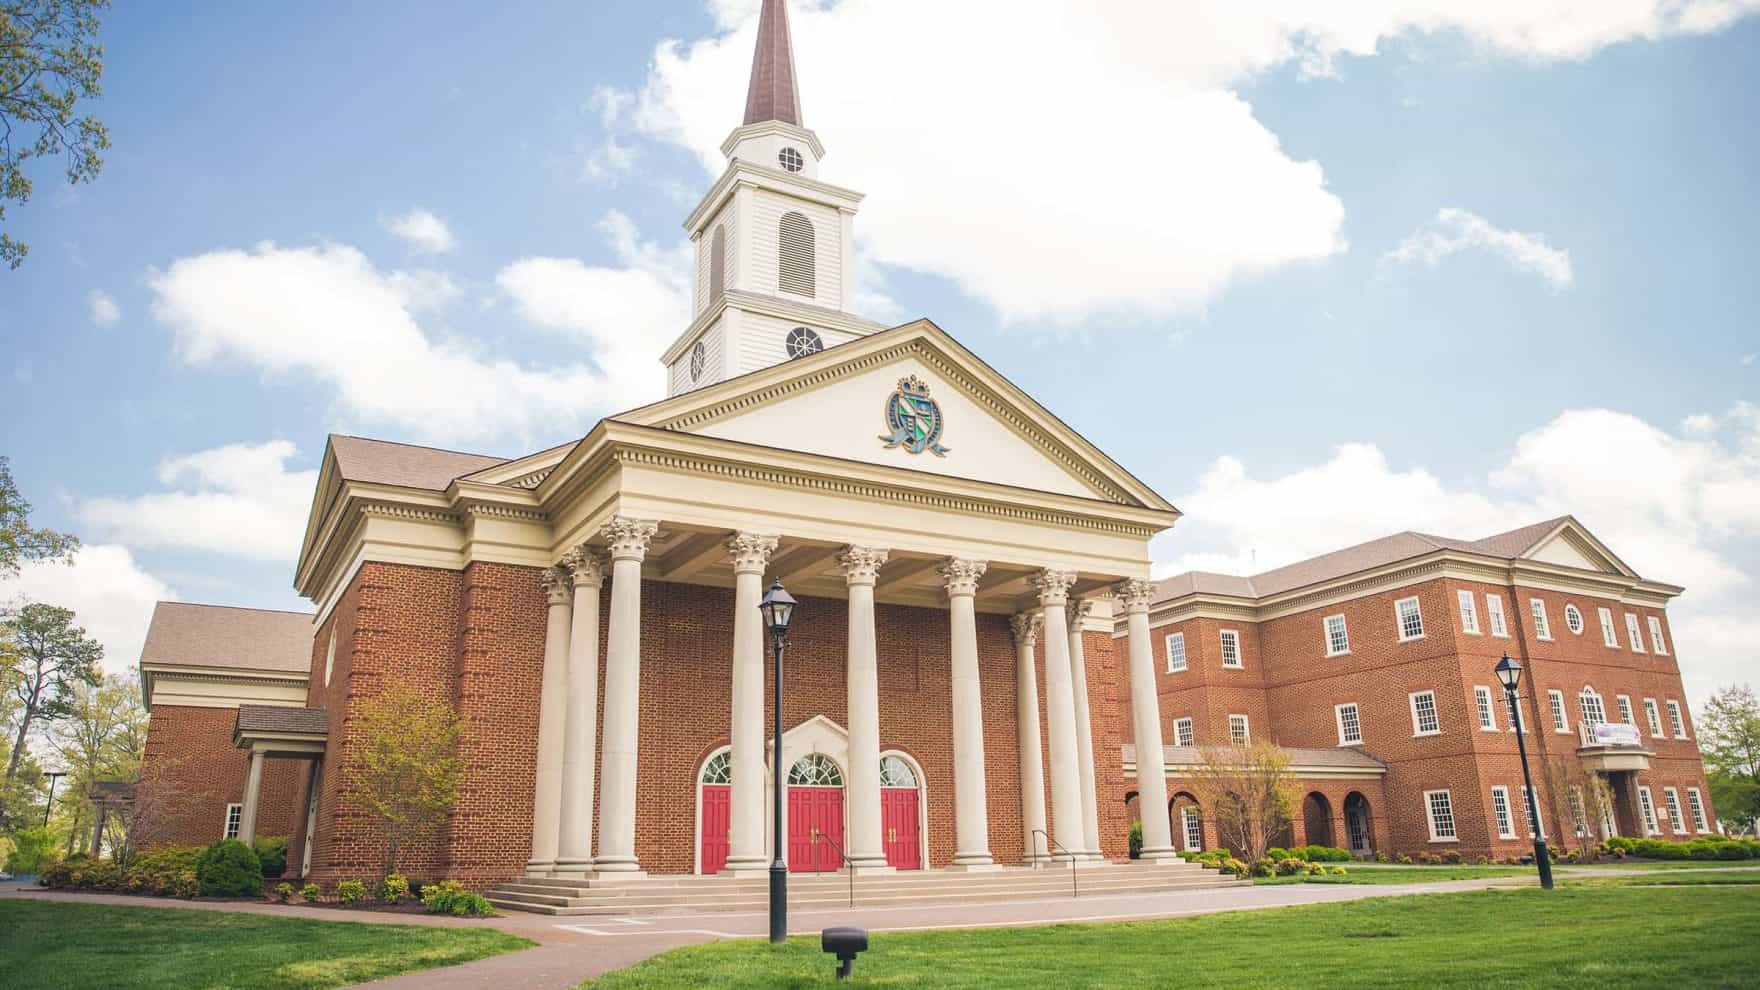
<point x="24" y="726"/>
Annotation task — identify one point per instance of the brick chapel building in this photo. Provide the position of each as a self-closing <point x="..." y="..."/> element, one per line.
<point x="977" y="635"/>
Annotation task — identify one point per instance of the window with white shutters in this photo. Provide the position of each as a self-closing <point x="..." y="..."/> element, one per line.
<point x="796" y="267"/>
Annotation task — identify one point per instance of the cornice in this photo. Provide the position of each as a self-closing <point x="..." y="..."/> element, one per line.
<point x="743" y="173"/>
<point x="776" y="307"/>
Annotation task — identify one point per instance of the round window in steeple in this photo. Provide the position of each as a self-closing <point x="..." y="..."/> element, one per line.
<point x="791" y="160"/>
<point x="802" y="342"/>
<point x="698" y="358"/>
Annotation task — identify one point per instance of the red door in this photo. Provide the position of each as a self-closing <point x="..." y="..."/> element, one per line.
<point x="814" y="811"/>
<point x="715" y="826"/>
<point x="898" y="820"/>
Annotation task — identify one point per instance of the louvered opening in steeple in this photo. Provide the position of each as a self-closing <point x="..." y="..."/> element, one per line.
<point x="796" y="270"/>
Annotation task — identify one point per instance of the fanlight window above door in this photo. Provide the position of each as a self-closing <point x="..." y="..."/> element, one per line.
<point x="895" y="772"/>
<point x="815" y="770"/>
<point x="719" y="769"/>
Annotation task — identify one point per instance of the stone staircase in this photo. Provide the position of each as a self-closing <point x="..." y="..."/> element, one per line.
<point x="688" y="894"/>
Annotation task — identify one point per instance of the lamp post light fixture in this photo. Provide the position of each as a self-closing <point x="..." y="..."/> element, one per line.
<point x="53" y="776"/>
<point x="777" y="609"/>
<point x="1509" y="674"/>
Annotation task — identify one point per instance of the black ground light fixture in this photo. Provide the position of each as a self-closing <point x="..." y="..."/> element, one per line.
<point x="777" y="609"/>
<point x="1509" y="674"/>
<point x="53" y="776"/>
<point x="845" y="943"/>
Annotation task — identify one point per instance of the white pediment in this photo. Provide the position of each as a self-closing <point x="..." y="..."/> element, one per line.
<point x="846" y="418"/>
<point x="1560" y="551"/>
<point x="1571" y="545"/>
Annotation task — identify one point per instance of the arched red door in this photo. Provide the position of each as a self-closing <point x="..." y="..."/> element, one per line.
<point x="898" y="819"/>
<point x="815" y="815"/>
<point x="716" y="805"/>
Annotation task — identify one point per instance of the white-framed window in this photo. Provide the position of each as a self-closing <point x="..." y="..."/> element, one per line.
<point x="1193" y="827"/>
<point x="1231" y="648"/>
<point x="1424" y="719"/>
<point x="1609" y="638"/>
<point x="1487" y="710"/>
<point x="1560" y="722"/>
<point x="1625" y="710"/>
<point x="1579" y="815"/>
<point x="1439" y="810"/>
<point x="1176" y="652"/>
<point x="1237" y="730"/>
<point x="1633" y="636"/>
<point x="1649" y="811"/>
<point x="1409" y="618"/>
<point x="1671" y="803"/>
<point x="1697" y="804"/>
<point x="1469" y="614"/>
<point x="1506" y="829"/>
<point x="234" y="812"/>
<point x="1541" y="629"/>
<point x="1531" y="818"/>
<point x="1350" y="727"/>
<point x="1656" y="641"/>
<point x="1676" y="720"/>
<point x="1182" y="732"/>
<point x="1589" y="705"/>
<point x="1573" y="620"/>
<point x="1338" y="638"/>
<point x="1654" y="717"/>
<point x="1494" y="616"/>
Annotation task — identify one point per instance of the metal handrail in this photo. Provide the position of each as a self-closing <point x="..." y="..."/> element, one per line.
<point x="840" y="855"/>
<point x="1074" y="864"/>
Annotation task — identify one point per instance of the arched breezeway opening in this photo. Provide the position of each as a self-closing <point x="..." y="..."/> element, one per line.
<point x="714" y="793"/>
<point x="1358" y="825"/>
<point x="903" y="826"/>
<point x="1188" y="821"/>
<point x="1317" y="819"/>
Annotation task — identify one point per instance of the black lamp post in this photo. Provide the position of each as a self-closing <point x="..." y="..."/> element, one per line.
<point x="1509" y="674"/>
<point x="53" y="776"/>
<point x="777" y="609"/>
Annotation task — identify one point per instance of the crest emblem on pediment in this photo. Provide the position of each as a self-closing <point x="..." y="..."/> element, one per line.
<point x="914" y="418"/>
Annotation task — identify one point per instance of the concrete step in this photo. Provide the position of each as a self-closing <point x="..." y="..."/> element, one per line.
<point x="878" y="885"/>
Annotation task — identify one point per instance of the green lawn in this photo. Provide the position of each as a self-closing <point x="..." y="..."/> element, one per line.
<point x="46" y="945"/>
<point x="1569" y="937"/>
<point x="1692" y="878"/>
<point x="1406" y="874"/>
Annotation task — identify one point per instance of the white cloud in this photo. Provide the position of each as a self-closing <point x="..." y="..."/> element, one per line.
<point x="109" y="593"/>
<point x="239" y="500"/>
<point x="609" y="162"/>
<point x="1748" y="359"/>
<point x="423" y="231"/>
<point x="104" y="309"/>
<point x="326" y="313"/>
<point x="1459" y="230"/>
<point x="1075" y="158"/>
<point x="1680" y="509"/>
<point x="630" y="314"/>
<point x="1699" y="424"/>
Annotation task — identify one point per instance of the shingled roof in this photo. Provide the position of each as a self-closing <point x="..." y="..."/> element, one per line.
<point x="383" y="462"/>
<point x="1350" y="560"/>
<point x="773" y="94"/>
<point x="183" y="634"/>
<point x="278" y="720"/>
<point x="1300" y="758"/>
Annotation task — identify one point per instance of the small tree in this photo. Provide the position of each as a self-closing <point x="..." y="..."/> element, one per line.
<point x="1249" y="794"/>
<point x="52" y="656"/>
<point x="162" y="802"/>
<point x="1575" y="795"/>
<point x="406" y="766"/>
<point x="1729" y="740"/>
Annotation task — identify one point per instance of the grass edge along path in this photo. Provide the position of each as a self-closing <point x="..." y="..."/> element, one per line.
<point x="1528" y="937"/>
<point x="52" y="945"/>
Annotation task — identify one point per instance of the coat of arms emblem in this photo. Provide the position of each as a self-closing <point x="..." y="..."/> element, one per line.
<point x="914" y="418"/>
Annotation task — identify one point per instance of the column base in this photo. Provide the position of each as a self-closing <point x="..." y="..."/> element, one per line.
<point x="617" y="864"/>
<point x="1159" y="857"/>
<point x="540" y="867"/>
<point x="755" y="865"/>
<point x="573" y="869"/>
<point x="744" y="872"/>
<point x="974" y="863"/>
<point x="603" y="879"/>
<point x="871" y="867"/>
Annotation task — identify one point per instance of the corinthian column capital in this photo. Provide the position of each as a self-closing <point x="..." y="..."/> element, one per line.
<point x="750" y="552"/>
<point x="961" y="575"/>
<point x="628" y="538"/>
<point x="1053" y="587"/>
<point x="1025" y="626"/>
<point x="1077" y="610"/>
<point x="586" y="564"/>
<point x="1135" y="593"/>
<point x="861" y="565"/>
<point x="556" y="585"/>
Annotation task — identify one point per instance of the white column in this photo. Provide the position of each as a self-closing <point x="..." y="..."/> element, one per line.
<point x="580" y="733"/>
<point x="861" y="566"/>
<point x="628" y="542"/>
<point x="750" y="553"/>
<point x="1026" y="698"/>
<point x="1060" y="714"/>
<point x="552" y="714"/>
<point x="971" y="806"/>
<point x="247" y="814"/>
<point x="1075" y="612"/>
<point x="1146" y="725"/>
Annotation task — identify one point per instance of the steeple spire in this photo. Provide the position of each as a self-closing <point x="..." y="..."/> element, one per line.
<point x="773" y="94"/>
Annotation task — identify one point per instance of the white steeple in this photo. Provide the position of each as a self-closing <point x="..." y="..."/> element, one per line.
<point x="773" y="243"/>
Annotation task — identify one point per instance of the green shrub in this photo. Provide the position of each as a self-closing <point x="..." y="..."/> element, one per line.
<point x="1135" y="840"/>
<point x="1289" y="866"/>
<point x="1324" y="854"/>
<point x="187" y="884"/>
<point x="156" y="872"/>
<point x="229" y="868"/>
<point x="310" y="893"/>
<point x="1337" y="871"/>
<point x="1404" y="860"/>
<point x="1316" y="870"/>
<point x="284" y="892"/>
<point x="1276" y="853"/>
<point x="54" y="875"/>
<point x="32" y="849"/>
<point x="1452" y="858"/>
<point x="394" y="888"/>
<point x="271" y="851"/>
<point x="351" y="891"/>
<point x="450" y="897"/>
<point x="1264" y="868"/>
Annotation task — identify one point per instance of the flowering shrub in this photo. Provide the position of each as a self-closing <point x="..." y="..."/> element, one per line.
<point x="310" y="892"/>
<point x="394" y="888"/>
<point x="351" y="891"/>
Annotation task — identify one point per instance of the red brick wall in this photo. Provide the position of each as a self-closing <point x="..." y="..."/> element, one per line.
<point x="192" y="748"/>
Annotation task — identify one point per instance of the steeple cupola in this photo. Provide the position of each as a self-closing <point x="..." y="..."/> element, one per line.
<point x="773" y="241"/>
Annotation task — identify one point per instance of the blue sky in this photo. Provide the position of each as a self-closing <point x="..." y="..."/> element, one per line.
<point x="1316" y="277"/>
